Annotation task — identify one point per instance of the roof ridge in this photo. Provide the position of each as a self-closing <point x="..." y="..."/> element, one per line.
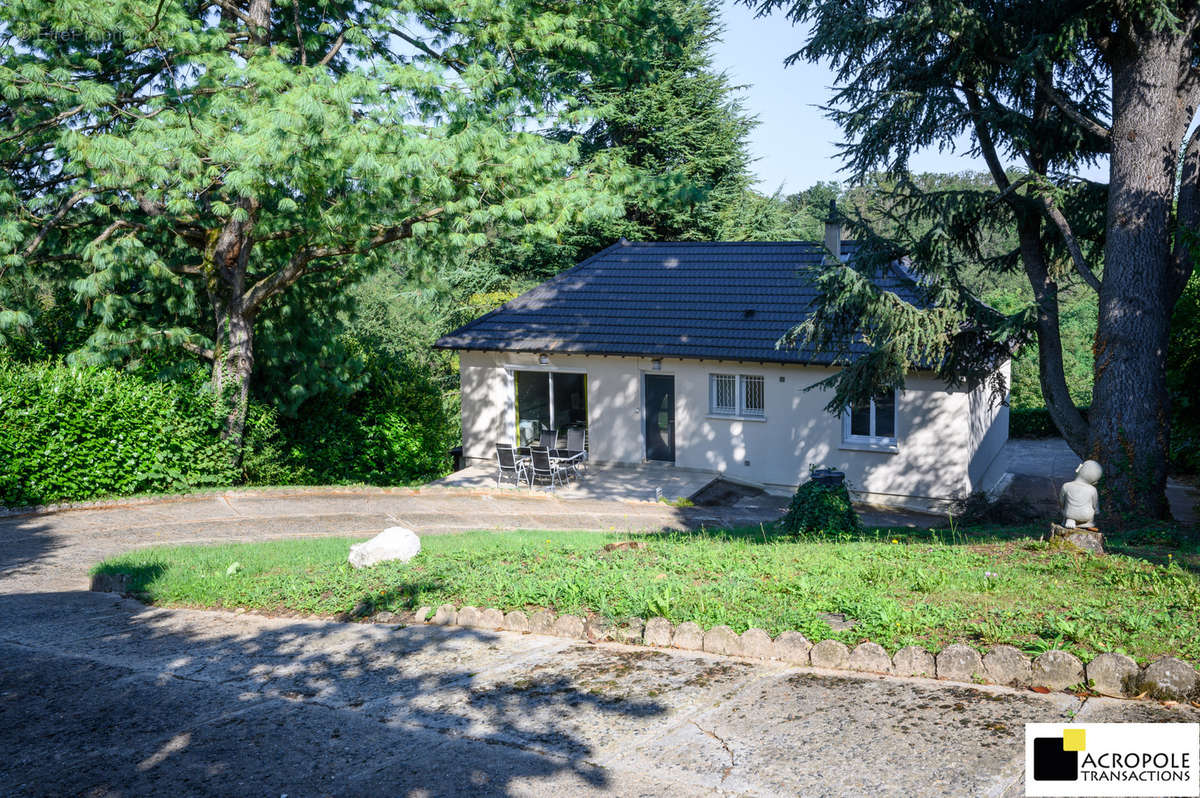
<point x="670" y="297"/>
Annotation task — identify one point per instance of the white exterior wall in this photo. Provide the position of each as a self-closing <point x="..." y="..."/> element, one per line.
<point x="988" y="432"/>
<point x="943" y="437"/>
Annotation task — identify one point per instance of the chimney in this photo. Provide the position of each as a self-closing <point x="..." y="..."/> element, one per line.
<point x="833" y="233"/>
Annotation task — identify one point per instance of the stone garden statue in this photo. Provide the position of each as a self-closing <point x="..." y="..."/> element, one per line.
<point x="1078" y="498"/>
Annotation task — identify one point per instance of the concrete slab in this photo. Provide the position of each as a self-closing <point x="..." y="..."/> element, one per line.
<point x="614" y="693"/>
<point x="820" y="734"/>
<point x="103" y="696"/>
<point x="215" y="703"/>
<point x="644" y="482"/>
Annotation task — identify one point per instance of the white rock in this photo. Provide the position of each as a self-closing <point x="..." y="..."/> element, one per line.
<point x="393" y="543"/>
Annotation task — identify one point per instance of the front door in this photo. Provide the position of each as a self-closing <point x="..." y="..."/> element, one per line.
<point x="660" y="417"/>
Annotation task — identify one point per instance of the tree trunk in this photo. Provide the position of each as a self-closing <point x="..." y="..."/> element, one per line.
<point x="233" y="338"/>
<point x="233" y="365"/>
<point x="1130" y="420"/>
<point x="1051" y="376"/>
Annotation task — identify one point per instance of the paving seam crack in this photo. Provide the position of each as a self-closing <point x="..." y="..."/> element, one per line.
<point x="732" y="759"/>
<point x="229" y="504"/>
<point x="696" y="710"/>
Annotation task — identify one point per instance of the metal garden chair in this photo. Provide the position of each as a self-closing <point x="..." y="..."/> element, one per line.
<point x="510" y="464"/>
<point x="575" y="455"/>
<point x="543" y="468"/>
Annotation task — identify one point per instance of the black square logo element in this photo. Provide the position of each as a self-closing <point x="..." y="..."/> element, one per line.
<point x="1052" y="763"/>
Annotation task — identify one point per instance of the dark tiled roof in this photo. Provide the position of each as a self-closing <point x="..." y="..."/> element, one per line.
<point x="726" y="301"/>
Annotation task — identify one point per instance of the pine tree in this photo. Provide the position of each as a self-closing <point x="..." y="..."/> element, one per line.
<point x="199" y="161"/>
<point x="1054" y="87"/>
<point x="681" y="130"/>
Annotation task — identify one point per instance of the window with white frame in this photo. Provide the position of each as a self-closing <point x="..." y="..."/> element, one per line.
<point x="737" y="395"/>
<point x="872" y="423"/>
<point x="752" y="396"/>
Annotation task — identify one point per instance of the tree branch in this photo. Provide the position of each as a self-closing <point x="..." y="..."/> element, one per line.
<point x="69" y="203"/>
<point x="296" y="267"/>
<point x="299" y="34"/>
<point x="196" y="349"/>
<point x="190" y="270"/>
<point x="987" y="147"/>
<point x="1064" y="227"/>
<point x="454" y="63"/>
<point x="279" y="234"/>
<point x="333" y="51"/>
<point x="225" y="5"/>
<point x="112" y="228"/>
<point x="1071" y="112"/>
<point x="1051" y="375"/>
<point x="52" y="121"/>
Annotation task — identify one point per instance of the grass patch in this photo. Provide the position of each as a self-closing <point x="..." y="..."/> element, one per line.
<point x="903" y="587"/>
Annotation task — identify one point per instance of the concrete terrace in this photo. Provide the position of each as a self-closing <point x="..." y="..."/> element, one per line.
<point x="647" y="482"/>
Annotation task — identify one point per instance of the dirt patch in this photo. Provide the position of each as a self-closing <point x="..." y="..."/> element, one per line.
<point x="722" y="493"/>
<point x="625" y="544"/>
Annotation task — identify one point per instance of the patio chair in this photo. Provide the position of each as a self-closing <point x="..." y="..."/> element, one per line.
<point x="576" y="452"/>
<point x="549" y="439"/>
<point x="542" y="467"/>
<point x="510" y="464"/>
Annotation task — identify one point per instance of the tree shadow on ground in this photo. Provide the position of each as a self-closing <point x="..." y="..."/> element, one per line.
<point x="135" y="700"/>
<point x="24" y="540"/>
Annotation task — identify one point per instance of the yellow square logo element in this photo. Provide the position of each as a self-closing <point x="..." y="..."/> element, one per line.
<point x="1074" y="739"/>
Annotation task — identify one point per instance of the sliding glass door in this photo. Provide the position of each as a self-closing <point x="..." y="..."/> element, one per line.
<point x="533" y="405"/>
<point x="549" y="400"/>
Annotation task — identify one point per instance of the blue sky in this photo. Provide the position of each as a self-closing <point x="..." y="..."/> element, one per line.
<point x="794" y="143"/>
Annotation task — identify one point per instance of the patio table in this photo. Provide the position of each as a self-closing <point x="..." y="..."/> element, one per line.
<point x="557" y="457"/>
<point x="555" y="454"/>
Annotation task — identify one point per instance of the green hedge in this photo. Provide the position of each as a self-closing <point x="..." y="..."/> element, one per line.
<point x="397" y="431"/>
<point x="70" y="434"/>
<point x="1033" y="422"/>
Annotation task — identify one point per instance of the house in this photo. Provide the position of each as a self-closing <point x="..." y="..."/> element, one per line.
<point x="666" y="352"/>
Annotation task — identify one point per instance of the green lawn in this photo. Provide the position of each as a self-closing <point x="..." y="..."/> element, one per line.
<point x="927" y="588"/>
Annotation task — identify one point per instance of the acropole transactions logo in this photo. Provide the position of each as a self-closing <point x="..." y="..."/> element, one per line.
<point x="1103" y="759"/>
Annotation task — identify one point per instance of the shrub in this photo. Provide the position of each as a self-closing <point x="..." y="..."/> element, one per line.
<point x="70" y="433"/>
<point x="396" y="431"/>
<point x="1034" y="422"/>
<point x="822" y="510"/>
<point x="264" y="459"/>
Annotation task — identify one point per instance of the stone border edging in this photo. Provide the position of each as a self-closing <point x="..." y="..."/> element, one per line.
<point x="1109" y="674"/>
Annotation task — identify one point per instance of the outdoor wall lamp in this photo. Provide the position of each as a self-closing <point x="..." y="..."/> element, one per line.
<point x="656" y="364"/>
<point x="543" y="359"/>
